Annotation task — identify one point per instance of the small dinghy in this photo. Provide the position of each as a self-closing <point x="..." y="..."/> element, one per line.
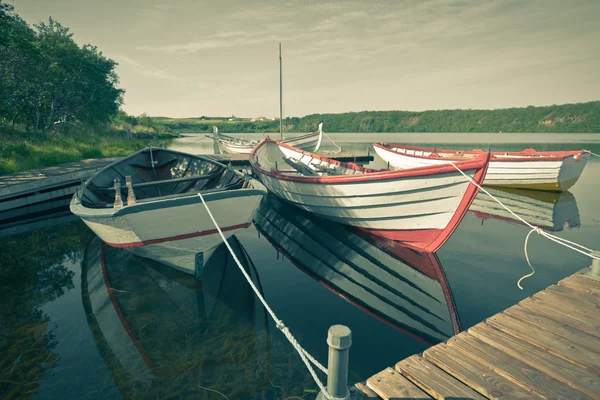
<point x="159" y="201"/>
<point x="420" y="207"/>
<point x="233" y="145"/>
<point x="527" y="169"/>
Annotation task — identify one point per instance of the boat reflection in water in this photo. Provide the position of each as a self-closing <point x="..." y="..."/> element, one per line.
<point x="398" y="285"/>
<point x="551" y="211"/>
<point x="163" y="333"/>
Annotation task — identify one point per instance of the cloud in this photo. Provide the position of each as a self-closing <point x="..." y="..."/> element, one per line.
<point x="148" y="71"/>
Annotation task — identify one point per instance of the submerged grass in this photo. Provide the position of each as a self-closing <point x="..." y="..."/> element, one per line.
<point x="21" y="151"/>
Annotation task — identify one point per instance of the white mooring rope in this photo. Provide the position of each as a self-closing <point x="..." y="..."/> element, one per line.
<point x="567" y="243"/>
<point x="304" y="355"/>
<point x="594" y="154"/>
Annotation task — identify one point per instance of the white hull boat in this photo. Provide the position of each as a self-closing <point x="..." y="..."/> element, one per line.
<point x="401" y="287"/>
<point x="162" y="199"/>
<point x="527" y="169"/>
<point x="551" y="211"/>
<point x="420" y="207"/>
<point x="233" y="145"/>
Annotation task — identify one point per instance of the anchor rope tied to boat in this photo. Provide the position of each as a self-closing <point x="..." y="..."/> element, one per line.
<point x="567" y="243"/>
<point x="304" y="355"/>
<point x="594" y="154"/>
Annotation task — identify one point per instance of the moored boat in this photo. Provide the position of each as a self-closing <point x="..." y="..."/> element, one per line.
<point x="420" y="207"/>
<point x="551" y="211"/>
<point x="160" y="203"/>
<point x="231" y="144"/>
<point x="527" y="169"/>
<point x="399" y="286"/>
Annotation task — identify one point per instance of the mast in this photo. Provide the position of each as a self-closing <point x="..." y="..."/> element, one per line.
<point x="280" y="97"/>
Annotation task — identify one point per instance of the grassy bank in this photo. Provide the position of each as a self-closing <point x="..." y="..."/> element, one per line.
<point x="21" y="151"/>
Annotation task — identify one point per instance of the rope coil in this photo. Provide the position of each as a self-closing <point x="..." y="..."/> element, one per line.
<point x="564" y="242"/>
<point x="304" y="355"/>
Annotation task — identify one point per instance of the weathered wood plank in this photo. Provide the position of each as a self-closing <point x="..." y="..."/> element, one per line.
<point x="581" y="322"/>
<point x="389" y="384"/>
<point x="481" y="378"/>
<point x="582" y="283"/>
<point x="548" y="341"/>
<point x="575" y="294"/>
<point x="573" y="375"/>
<point x="434" y="381"/>
<point x="516" y="371"/>
<point x="568" y="304"/>
<point x="364" y="391"/>
<point x="584" y="339"/>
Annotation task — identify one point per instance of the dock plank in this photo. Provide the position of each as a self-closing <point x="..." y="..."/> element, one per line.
<point x="390" y="385"/>
<point x="481" y="378"/>
<point x="569" y="304"/>
<point x="574" y="294"/>
<point x="435" y="382"/>
<point x="567" y="348"/>
<point x="584" y="339"/>
<point x="518" y="372"/>
<point x="580" y="321"/>
<point x="582" y="283"/>
<point x="364" y="391"/>
<point x="562" y="370"/>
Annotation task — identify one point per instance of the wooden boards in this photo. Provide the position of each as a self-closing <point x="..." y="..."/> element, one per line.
<point x="545" y="347"/>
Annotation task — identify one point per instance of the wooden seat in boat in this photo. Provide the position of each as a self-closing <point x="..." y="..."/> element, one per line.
<point x="300" y="167"/>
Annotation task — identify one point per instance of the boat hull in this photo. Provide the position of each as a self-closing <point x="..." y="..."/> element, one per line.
<point x="519" y="171"/>
<point x="420" y="209"/>
<point x="177" y="219"/>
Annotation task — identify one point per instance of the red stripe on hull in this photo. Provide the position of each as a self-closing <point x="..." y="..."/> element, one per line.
<point x="178" y="237"/>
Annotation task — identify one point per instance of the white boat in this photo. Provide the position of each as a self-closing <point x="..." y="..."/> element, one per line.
<point x="162" y="202"/>
<point x="152" y="324"/>
<point x="401" y="287"/>
<point x="420" y="207"/>
<point x="231" y="144"/>
<point x="551" y="211"/>
<point x="527" y="169"/>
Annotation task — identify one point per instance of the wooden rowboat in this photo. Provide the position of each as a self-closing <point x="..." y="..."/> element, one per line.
<point x="162" y="198"/>
<point x="233" y="145"/>
<point x="399" y="286"/>
<point x="420" y="207"/>
<point x="527" y="169"/>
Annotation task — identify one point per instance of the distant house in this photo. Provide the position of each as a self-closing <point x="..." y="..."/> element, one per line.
<point x="258" y="119"/>
<point x="231" y="119"/>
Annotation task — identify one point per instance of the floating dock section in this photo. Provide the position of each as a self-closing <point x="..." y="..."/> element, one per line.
<point x="545" y="347"/>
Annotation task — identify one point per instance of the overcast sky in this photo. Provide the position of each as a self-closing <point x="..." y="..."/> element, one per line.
<point x="192" y="57"/>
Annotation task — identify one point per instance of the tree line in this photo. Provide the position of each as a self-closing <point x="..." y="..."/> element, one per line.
<point x="579" y="117"/>
<point x="47" y="81"/>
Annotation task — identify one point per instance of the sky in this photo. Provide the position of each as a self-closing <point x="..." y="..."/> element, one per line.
<point x="189" y="58"/>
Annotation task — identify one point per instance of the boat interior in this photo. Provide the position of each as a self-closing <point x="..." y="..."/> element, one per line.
<point x="435" y="153"/>
<point x="288" y="161"/>
<point x="157" y="173"/>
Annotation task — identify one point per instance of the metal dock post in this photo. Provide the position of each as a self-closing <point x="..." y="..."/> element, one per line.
<point x="339" y="339"/>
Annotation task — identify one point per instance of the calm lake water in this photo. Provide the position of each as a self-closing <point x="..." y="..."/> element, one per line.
<point x="82" y="320"/>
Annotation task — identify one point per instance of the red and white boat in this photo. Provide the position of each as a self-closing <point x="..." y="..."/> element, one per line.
<point x="527" y="169"/>
<point x="420" y="207"/>
<point x="234" y="145"/>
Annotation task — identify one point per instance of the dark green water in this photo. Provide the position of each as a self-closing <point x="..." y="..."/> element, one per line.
<point x="142" y="330"/>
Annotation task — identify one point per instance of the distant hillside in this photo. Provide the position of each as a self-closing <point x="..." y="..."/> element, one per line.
<point x="580" y="117"/>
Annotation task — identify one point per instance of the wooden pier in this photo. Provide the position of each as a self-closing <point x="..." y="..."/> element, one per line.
<point x="545" y="347"/>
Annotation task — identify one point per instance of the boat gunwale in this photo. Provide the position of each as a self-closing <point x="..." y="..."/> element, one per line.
<point x="522" y="156"/>
<point x="241" y="143"/>
<point x="81" y="210"/>
<point x="370" y="175"/>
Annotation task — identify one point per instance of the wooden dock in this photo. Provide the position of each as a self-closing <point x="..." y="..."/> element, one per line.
<point x="545" y="347"/>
